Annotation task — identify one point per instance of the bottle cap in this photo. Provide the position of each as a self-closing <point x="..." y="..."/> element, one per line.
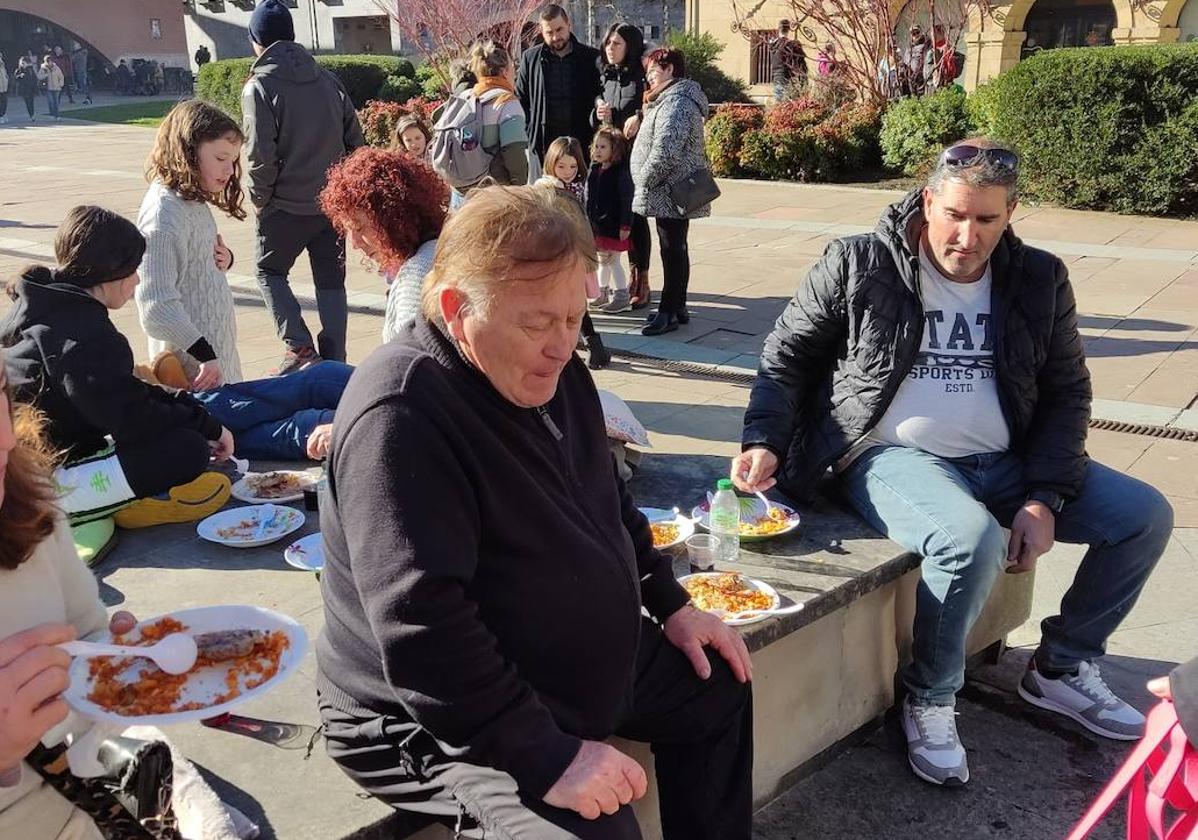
<point x="724" y="484"/>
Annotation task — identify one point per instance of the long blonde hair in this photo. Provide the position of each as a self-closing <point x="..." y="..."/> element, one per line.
<point x="175" y="159"/>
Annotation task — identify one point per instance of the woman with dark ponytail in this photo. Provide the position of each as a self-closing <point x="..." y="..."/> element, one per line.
<point x="622" y="74"/>
<point x="66" y="358"/>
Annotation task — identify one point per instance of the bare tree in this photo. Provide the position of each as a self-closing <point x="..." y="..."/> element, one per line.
<point x="443" y="29"/>
<point x="863" y="31"/>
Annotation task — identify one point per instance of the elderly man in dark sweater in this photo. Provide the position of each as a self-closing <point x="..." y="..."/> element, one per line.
<point x="558" y="84"/>
<point x="486" y="569"/>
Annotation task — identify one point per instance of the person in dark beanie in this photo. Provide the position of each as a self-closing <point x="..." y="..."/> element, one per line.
<point x="66" y="358"/>
<point x="298" y="112"/>
<point x="558" y="85"/>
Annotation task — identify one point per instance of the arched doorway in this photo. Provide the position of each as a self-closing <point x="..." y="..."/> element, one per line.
<point x="22" y="33"/>
<point x="1187" y="22"/>
<point x="1068" y="23"/>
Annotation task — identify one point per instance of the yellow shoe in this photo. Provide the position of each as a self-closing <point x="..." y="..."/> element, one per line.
<point x="168" y="370"/>
<point x="185" y="503"/>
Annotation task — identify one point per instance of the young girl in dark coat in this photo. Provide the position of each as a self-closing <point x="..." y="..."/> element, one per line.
<point x="609" y="207"/>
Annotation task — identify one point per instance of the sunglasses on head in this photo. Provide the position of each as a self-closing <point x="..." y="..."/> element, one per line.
<point x="965" y="155"/>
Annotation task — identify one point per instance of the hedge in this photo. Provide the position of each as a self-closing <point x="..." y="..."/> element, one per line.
<point x="1103" y="127"/>
<point x="220" y="82"/>
<point x="702" y="52"/>
<point x="916" y="129"/>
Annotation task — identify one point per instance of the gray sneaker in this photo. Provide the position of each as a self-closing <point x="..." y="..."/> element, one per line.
<point x="933" y="748"/>
<point x="601" y="301"/>
<point x="620" y="302"/>
<point x="1086" y="698"/>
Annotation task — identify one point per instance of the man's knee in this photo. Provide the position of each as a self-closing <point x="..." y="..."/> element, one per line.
<point x="969" y="540"/>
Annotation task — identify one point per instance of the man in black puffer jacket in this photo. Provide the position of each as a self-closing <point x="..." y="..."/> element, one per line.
<point x="936" y="366"/>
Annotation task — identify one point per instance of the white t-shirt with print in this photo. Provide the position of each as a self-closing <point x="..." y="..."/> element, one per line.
<point x="948" y="405"/>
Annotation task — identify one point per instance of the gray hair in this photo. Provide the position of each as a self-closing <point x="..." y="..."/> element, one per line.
<point x="984" y="173"/>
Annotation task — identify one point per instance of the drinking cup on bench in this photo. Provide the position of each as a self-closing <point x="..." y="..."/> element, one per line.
<point x="701" y="551"/>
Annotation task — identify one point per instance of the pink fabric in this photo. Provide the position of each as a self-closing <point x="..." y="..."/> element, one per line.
<point x="1162" y="770"/>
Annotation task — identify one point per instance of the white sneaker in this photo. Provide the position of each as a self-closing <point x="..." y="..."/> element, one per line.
<point x="1086" y="698"/>
<point x="933" y="748"/>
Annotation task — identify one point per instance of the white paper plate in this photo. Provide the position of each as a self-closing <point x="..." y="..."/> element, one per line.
<point x="759" y="585"/>
<point x="306" y="554"/>
<point x="750" y="509"/>
<point x="686" y="527"/>
<point x="242" y="491"/>
<point x="287" y="521"/>
<point x="206" y="683"/>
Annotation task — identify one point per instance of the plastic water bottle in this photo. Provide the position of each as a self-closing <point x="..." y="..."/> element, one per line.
<point x="725" y="522"/>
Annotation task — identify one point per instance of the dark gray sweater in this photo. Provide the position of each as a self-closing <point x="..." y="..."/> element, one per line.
<point x="485" y="567"/>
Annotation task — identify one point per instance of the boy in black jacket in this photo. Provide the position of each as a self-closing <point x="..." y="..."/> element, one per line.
<point x="67" y="358"/>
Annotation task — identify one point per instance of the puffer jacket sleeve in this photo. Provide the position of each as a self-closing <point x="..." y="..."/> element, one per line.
<point x="798" y="353"/>
<point x="673" y="129"/>
<point x="1055" y="447"/>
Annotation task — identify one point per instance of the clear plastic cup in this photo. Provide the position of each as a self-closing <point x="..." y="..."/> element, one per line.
<point x="701" y="551"/>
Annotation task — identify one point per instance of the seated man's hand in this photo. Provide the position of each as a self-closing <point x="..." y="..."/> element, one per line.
<point x="319" y="441"/>
<point x="1032" y="533"/>
<point x="598" y="781"/>
<point x="753" y="470"/>
<point x="691" y="629"/>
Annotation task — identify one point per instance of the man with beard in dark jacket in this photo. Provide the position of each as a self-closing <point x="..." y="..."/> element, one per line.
<point x="558" y="84"/>
<point x="298" y="122"/>
<point x="936" y="366"/>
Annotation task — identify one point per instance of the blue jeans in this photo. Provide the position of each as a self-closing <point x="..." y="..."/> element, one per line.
<point x="271" y="419"/>
<point x="52" y="97"/>
<point x="952" y="511"/>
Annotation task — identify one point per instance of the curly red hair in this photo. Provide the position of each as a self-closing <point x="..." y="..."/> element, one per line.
<point x="402" y="198"/>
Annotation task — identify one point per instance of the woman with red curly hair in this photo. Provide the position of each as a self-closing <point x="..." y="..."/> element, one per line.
<point x="392" y="208"/>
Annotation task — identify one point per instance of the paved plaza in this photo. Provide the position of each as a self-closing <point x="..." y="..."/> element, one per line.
<point x="1137" y="287"/>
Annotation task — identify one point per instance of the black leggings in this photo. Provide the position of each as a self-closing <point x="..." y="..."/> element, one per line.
<point x="588" y="326"/>
<point x="642" y="243"/>
<point x="28" y="104"/>
<point x="675" y="263"/>
<point x="3" y="104"/>
<point x="155" y="466"/>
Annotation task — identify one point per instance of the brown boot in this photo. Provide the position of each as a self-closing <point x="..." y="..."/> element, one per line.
<point x="168" y="370"/>
<point x="639" y="288"/>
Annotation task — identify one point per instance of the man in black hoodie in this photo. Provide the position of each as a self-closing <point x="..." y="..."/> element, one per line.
<point x="558" y="84"/>
<point x="298" y="121"/>
<point x="486" y="568"/>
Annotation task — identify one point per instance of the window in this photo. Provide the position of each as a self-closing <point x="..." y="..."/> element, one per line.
<point x="652" y="33"/>
<point x="759" y="58"/>
<point x="155" y="28"/>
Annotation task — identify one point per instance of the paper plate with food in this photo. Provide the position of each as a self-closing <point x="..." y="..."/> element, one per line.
<point x="243" y="652"/>
<point x="274" y="486"/>
<point x="252" y="526"/>
<point x="756" y="521"/>
<point x="306" y="554"/>
<point x="669" y="527"/>
<point x="735" y="598"/>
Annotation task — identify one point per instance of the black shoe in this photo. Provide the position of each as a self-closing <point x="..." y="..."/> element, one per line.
<point x="663" y="322"/>
<point x="598" y="356"/>
<point x="683" y="316"/>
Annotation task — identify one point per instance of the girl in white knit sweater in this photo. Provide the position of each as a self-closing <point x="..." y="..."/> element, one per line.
<point x="186" y="306"/>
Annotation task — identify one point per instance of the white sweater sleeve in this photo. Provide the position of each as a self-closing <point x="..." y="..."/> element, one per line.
<point x="159" y="305"/>
<point x="80" y="592"/>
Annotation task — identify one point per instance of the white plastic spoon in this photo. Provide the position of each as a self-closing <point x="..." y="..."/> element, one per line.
<point x="764" y="501"/>
<point x="175" y="654"/>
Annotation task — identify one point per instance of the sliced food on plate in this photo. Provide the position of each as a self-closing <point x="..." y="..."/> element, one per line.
<point x="726" y="592"/>
<point x="277" y="485"/>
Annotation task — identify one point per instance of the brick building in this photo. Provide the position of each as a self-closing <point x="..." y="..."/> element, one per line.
<point x="112" y="30"/>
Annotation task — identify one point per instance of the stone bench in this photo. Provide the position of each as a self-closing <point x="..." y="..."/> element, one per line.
<point x="821" y="675"/>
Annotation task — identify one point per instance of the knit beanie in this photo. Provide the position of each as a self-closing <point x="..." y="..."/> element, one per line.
<point x="271" y="22"/>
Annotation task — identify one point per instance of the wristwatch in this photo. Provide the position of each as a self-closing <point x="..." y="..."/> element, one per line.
<point x="1051" y="499"/>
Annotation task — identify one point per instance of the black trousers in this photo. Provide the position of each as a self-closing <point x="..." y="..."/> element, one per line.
<point x="28" y="103"/>
<point x="700" y="731"/>
<point x="642" y="243"/>
<point x="3" y="104"/>
<point x="282" y="236"/>
<point x="675" y="263"/>
<point x="156" y="465"/>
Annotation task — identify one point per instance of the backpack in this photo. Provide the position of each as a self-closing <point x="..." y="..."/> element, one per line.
<point x="456" y="151"/>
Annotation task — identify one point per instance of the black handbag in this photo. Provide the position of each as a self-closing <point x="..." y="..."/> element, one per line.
<point x="695" y="191"/>
<point x="132" y="801"/>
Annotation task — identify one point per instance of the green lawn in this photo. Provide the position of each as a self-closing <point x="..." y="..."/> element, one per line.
<point x="146" y="114"/>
